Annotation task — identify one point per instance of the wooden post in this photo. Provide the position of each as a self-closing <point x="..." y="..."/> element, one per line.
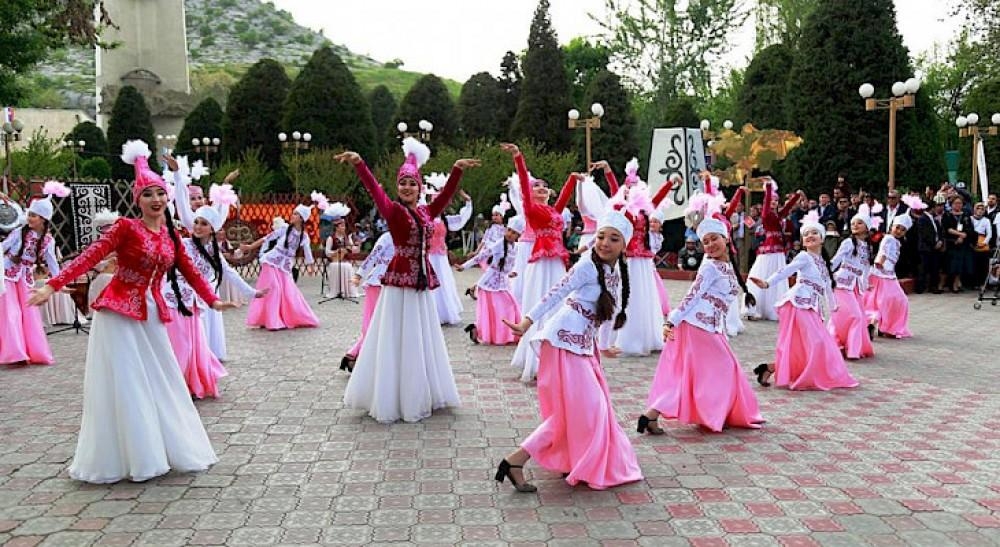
<point x="892" y="144"/>
<point x="975" y="160"/>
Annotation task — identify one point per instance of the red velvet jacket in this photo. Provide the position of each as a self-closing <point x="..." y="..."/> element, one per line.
<point x="637" y="246"/>
<point x="143" y="258"/>
<point x="405" y="264"/>
<point x="546" y="221"/>
<point x="774" y="238"/>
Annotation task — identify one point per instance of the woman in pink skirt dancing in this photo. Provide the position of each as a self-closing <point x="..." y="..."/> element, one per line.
<point x="369" y="276"/>
<point x="284" y="307"/>
<point x="851" y="266"/>
<point x="579" y="434"/>
<point x="495" y="302"/>
<point x="698" y="379"/>
<point x="886" y="303"/>
<point x="806" y="356"/>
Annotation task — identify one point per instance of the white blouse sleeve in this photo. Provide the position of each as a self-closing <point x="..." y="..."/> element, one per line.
<point x="306" y="246"/>
<point x="12" y="241"/>
<point x="842" y="252"/>
<point x="182" y="199"/>
<point x="707" y="274"/>
<point x="50" y="258"/>
<point x="232" y="276"/>
<point x="795" y="265"/>
<point x="456" y="222"/>
<point x="580" y="274"/>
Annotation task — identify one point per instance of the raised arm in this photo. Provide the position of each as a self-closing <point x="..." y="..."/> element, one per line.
<point x="91" y="255"/>
<point x="787" y="208"/>
<point x="567" y="192"/>
<point x="661" y="194"/>
<point x="456" y="222"/>
<point x="440" y="201"/>
<point x="182" y="201"/>
<point x="524" y="184"/>
<point x="382" y="200"/>
<point x="737" y="199"/>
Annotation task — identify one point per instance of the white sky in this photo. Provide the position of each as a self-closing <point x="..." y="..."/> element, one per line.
<point x="457" y="38"/>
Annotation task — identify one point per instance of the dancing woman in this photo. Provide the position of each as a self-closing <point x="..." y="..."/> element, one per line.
<point x="283" y="307"/>
<point x="698" y="379"/>
<point x="579" y="435"/>
<point x="806" y="355"/>
<point x="886" y="302"/>
<point x="369" y="277"/>
<point x="770" y="254"/>
<point x="495" y="303"/>
<point x="851" y="268"/>
<point x="22" y="334"/>
<point x="449" y="304"/>
<point x="493" y="234"/>
<point x="402" y="371"/>
<point x="592" y="202"/>
<point x="138" y="419"/>
<point x="549" y="257"/>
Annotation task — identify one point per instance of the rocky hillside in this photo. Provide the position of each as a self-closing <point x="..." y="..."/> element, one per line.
<point x="222" y="35"/>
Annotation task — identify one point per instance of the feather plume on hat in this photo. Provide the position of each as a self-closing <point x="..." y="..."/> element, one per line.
<point x="198" y="170"/>
<point x="320" y="199"/>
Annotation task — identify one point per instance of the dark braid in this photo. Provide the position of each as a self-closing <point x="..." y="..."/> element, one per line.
<point x="302" y="231"/>
<point x="829" y="269"/>
<point x="605" y="307"/>
<point x="503" y="258"/>
<point x="645" y="240"/>
<point x="421" y="268"/>
<point x="215" y="261"/>
<point x="39" y="243"/>
<point x="172" y="272"/>
<point x="626" y="289"/>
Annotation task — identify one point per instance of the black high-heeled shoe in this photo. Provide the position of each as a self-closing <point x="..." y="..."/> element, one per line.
<point x="760" y="370"/>
<point x="346" y="363"/>
<point x="471" y="329"/>
<point x="872" y="331"/>
<point x="648" y="426"/>
<point x="503" y="470"/>
<point x="471" y="292"/>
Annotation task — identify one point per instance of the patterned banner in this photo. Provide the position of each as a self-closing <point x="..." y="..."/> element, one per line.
<point x="86" y="200"/>
<point x="677" y="151"/>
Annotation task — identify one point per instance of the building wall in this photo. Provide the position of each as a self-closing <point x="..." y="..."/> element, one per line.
<point x="55" y="122"/>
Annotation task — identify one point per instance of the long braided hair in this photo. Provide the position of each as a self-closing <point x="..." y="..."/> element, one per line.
<point x="172" y="271"/>
<point x="829" y="267"/>
<point x="855" y="241"/>
<point x="302" y="232"/>
<point x="39" y="243"/>
<point x="606" y="301"/>
<point x="214" y="258"/>
<point x="646" y="239"/>
<point x="503" y="257"/>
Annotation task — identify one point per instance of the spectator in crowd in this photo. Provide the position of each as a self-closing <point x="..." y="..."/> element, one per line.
<point x="856" y="200"/>
<point x="981" y="246"/>
<point x="825" y="208"/>
<point x="739" y="228"/>
<point x="843" y="216"/>
<point x="801" y="208"/>
<point x="909" y="252"/>
<point x="689" y="258"/>
<point x="893" y="207"/>
<point x="756" y="232"/>
<point x="930" y="246"/>
<point x="795" y="249"/>
<point x="832" y="240"/>
<point x="966" y="197"/>
<point x="957" y="229"/>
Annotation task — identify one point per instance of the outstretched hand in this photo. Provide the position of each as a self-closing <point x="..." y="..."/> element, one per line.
<point x="759" y="282"/>
<point x="612" y="352"/>
<point x="231" y="176"/>
<point x="262" y="292"/>
<point x="348" y="156"/>
<point x="171" y="162"/>
<point x="223" y="305"/>
<point x="40" y="295"/>
<point x="467" y="163"/>
<point x="510" y="148"/>
<point x="519" y="328"/>
<point x="600" y="164"/>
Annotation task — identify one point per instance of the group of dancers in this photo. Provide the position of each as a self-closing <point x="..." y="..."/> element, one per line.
<point x="149" y="350"/>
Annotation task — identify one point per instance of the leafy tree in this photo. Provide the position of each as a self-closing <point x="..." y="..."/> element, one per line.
<point x="251" y="120"/>
<point x="129" y="121"/>
<point x="510" y="88"/>
<point x="668" y="45"/>
<point x="204" y="121"/>
<point x="477" y="106"/>
<point x="429" y="100"/>
<point x="30" y="29"/>
<point x="584" y="61"/>
<point x="383" y="106"/>
<point x="761" y="100"/>
<point x="982" y="22"/>
<point x="947" y="79"/>
<point x="95" y="168"/>
<point x="984" y="99"/>
<point x="616" y="140"/>
<point x="256" y="177"/>
<point x="326" y="101"/>
<point x="544" y="100"/>
<point x="95" y="143"/>
<point x="42" y="158"/>
<point x="680" y="112"/>
<point x="844" y="44"/>
<point x="781" y="21"/>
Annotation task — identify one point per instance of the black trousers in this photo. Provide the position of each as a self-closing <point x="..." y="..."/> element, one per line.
<point x="930" y="269"/>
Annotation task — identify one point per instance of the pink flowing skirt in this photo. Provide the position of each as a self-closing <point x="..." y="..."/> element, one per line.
<point x="887" y="303"/>
<point x="807" y="356"/>
<point x="491" y="308"/>
<point x="22" y="334"/>
<point x="698" y="381"/>
<point x="849" y="325"/>
<point x="579" y="434"/>
<point x="282" y="308"/>
<point x="661" y="290"/>
<point x="371" y="299"/>
<point x="199" y="366"/>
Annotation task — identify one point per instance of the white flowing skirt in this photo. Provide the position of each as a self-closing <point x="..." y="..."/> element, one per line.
<point x="539" y="277"/>
<point x="402" y="371"/>
<point x="215" y="332"/>
<point x="520" y="268"/>
<point x="763" y="267"/>
<point x="446" y="299"/>
<point x="642" y="332"/>
<point x="138" y="419"/>
<point x="338" y="280"/>
<point x="734" y="318"/>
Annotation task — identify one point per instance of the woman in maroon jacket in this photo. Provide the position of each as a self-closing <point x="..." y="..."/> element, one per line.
<point x="402" y="371"/>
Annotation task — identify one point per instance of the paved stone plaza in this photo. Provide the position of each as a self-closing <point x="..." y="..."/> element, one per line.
<point x="912" y="457"/>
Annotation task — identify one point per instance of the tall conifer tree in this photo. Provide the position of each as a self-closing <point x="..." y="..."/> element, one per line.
<point x="544" y="100"/>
